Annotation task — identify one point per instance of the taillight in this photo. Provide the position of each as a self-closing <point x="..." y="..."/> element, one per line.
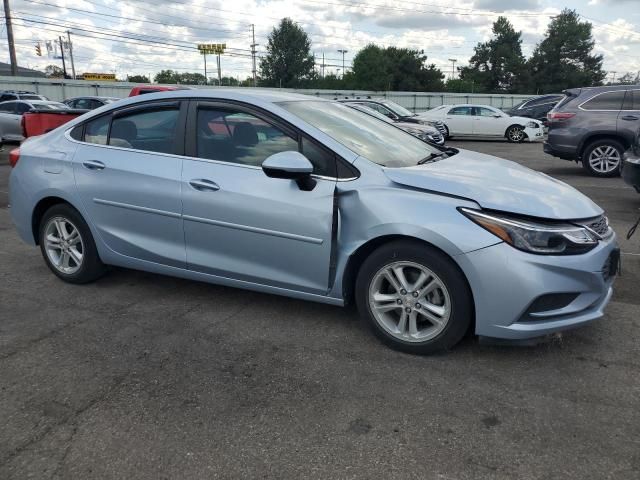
<point x="559" y="116"/>
<point x="14" y="156"/>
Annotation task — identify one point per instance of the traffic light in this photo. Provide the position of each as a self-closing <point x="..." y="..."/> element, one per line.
<point x="38" y="50"/>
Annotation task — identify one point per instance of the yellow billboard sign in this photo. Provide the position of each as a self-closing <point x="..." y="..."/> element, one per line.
<point x="104" y="77"/>
<point x="212" y="48"/>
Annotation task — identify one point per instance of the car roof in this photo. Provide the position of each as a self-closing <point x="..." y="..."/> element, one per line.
<point x="92" y="97"/>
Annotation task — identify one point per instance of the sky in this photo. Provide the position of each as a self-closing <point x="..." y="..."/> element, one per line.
<point x="143" y="36"/>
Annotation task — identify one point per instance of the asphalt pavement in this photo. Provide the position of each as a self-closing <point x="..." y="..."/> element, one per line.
<point x="140" y="376"/>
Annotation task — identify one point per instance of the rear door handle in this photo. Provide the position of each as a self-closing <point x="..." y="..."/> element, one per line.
<point x="204" y="185"/>
<point x="93" y="165"/>
<point x="630" y="117"/>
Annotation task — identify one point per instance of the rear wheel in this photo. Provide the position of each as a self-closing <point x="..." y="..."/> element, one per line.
<point x="414" y="298"/>
<point x="68" y="247"/>
<point x="603" y="158"/>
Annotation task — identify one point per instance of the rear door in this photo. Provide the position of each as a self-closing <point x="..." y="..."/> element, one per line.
<point x="629" y="117"/>
<point x="459" y="120"/>
<point x="241" y="224"/>
<point x="127" y="171"/>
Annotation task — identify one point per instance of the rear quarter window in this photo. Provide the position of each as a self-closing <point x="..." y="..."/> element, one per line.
<point x="605" y="101"/>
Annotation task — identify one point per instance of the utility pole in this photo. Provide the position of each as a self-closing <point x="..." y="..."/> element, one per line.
<point x="12" y="45"/>
<point x="614" y="78"/>
<point x="253" y="53"/>
<point x="322" y="64"/>
<point x="206" y="79"/>
<point x="343" y="52"/>
<point x="73" y="67"/>
<point x="219" y="72"/>
<point x="453" y="67"/>
<point x="64" y="67"/>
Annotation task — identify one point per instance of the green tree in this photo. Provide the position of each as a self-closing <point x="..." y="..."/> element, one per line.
<point x="167" y="76"/>
<point x="191" y="78"/>
<point x="628" y="78"/>
<point x="564" y="58"/>
<point x="53" y="71"/>
<point x="498" y="66"/>
<point x="289" y="62"/>
<point x="138" y="79"/>
<point x="376" y="68"/>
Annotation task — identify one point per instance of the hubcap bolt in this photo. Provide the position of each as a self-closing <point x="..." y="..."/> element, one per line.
<point x="415" y="294"/>
<point x="418" y="306"/>
<point x="399" y="302"/>
<point x="408" y="310"/>
<point x="403" y="292"/>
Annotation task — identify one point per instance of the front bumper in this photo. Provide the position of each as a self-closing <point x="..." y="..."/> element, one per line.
<point x="509" y="287"/>
<point x="534" y="134"/>
<point x="631" y="170"/>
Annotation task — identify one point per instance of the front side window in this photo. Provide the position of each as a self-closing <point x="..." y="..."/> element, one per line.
<point x="632" y="100"/>
<point x="238" y="137"/>
<point x="605" y="101"/>
<point x="461" y="111"/>
<point x="324" y="162"/>
<point x="149" y="130"/>
<point x="22" y="108"/>
<point x="377" y="141"/>
<point x="97" y="130"/>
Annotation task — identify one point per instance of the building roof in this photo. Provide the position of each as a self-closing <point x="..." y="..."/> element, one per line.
<point x="5" y="70"/>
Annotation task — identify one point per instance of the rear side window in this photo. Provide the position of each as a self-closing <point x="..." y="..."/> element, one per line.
<point x="150" y="130"/>
<point x="22" y="108"/>
<point x="632" y="100"/>
<point x="605" y="101"/>
<point x="9" y="107"/>
<point x="97" y="130"/>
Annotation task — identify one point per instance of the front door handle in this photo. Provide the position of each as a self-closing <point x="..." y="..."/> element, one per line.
<point x="204" y="185"/>
<point x="93" y="165"/>
<point x="630" y="117"/>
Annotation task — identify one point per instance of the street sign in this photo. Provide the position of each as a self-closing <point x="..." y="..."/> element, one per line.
<point x="105" y="77"/>
<point x="212" y="48"/>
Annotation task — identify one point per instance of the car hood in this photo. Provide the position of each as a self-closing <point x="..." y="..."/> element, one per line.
<point x="498" y="184"/>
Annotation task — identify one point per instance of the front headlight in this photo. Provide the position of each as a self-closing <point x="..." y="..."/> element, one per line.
<point x="532" y="125"/>
<point x="535" y="237"/>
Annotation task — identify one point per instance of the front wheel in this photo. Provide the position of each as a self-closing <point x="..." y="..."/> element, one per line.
<point x="414" y="298"/>
<point x="68" y="247"/>
<point x="515" y="134"/>
<point x="603" y="158"/>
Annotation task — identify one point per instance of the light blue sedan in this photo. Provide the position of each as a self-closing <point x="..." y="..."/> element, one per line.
<point x="308" y="198"/>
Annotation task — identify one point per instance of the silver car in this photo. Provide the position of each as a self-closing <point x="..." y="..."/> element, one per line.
<point x="11" y="115"/>
<point x="308" y="198"/>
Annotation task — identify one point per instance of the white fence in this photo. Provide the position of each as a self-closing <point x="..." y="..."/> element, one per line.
<point x="58" y="89"/>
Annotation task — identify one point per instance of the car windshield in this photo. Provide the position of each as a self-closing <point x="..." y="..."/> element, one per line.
<point x="370" y="111"/>
<point x="50" y="106"/>
<point x="379" y="142"/>
<point x="398" y="109"/>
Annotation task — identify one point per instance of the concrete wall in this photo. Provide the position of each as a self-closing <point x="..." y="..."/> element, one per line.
<point x="58" y="89"/>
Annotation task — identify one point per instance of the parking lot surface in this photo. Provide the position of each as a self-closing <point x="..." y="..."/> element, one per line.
<point x="149" y="377"/>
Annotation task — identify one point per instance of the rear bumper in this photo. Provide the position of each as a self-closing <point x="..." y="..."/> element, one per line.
<point x="506" y="282"/>
<point x="631" y="170"/>
<point x="560" y="152"/>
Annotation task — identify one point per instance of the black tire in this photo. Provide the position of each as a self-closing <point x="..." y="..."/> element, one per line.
<point x="446" y="133"/>
<point x="515" y="134"/>
<point x="91" y="268"/>
<point x="461" y="312"/>
<point x="602" y="144"/>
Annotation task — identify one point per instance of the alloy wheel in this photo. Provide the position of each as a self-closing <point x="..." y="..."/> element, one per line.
<point x="516" y="134"/>
<point x="604" y="159"/>
<point x="409" y="301"/>
<point x="63" y="245"/>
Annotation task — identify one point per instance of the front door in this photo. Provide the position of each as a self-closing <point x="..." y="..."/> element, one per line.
<point x="238" y="222"/>
<point x="128" y="178"/>
<point x="629" y="117"/>
<point x="487" y="123"/>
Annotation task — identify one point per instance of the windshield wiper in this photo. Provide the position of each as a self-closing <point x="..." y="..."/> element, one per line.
<point x="433" y="156"/>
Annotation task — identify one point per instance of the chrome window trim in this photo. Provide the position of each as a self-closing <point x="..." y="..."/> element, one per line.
<point x="67" y="135"/>
<point x="604" y="110"/>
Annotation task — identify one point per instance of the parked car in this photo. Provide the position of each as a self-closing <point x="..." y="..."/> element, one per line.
<point x="143" y="89"/>
<point x="7" y="95"/>
<point x="426" y="133"/>
<point x="485" y="121"/>
<point x="395" y="112"/>
<point x="536" y="107"/>
<point x="595" y="126"/>
<point x="38" y="121"/>
<point x="89" y="103"/>
<point x="631" y="164"/>
<point x="11" y="116"/>
<point x="306" y="197"/>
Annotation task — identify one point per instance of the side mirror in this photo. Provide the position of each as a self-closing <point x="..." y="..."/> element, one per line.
<point x="290" y="165"/>
<point x="497" y="115"/>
